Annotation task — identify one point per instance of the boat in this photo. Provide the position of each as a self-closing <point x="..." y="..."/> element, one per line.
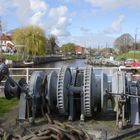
<point x="28" y="62"/>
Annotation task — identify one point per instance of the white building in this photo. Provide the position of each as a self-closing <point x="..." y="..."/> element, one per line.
<point x="6" y="43"/>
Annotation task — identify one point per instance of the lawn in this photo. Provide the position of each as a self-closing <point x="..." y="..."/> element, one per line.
<point x="12" y="57"/>
<point x="7" y="105"/>
<point x="129" y="55"/>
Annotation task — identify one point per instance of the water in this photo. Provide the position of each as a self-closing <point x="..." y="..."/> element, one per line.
<point x="77" y="63"/>
<point x="70" y="63"/>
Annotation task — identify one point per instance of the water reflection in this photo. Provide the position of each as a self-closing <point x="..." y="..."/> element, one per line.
<point x="71" y="63"/>
<point x="59" y="64"/>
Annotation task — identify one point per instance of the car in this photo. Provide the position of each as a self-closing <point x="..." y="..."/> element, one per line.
<point x="128" y="62"/>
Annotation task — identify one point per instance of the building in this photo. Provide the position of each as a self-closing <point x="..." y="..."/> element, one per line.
<point x="6" y="43"/>
<point x="79" y="50"/>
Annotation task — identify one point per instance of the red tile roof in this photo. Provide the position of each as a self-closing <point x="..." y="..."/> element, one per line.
<point x="5" y="37"/>
<point x="10" y="45"/>
<point x="79" y="49"/>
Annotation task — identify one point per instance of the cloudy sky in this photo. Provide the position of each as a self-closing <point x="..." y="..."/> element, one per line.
<point x="89" y="23"/>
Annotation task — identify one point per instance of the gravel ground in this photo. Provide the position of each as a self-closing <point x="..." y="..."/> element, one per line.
<point x="105" y="124"/>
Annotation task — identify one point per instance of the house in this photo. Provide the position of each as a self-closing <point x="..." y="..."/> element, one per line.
<point x="6" y="43"/>
<point x="79" y="50"/>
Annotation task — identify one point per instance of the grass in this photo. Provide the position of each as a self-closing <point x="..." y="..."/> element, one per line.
<point x="12" y="57"/>
<point x="129" y="55"/>
<point x="131" y="138"/>
<point x="6" y="105"/>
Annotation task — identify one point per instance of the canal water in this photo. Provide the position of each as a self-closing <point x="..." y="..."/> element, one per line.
<point x="77" y="63"/>
<point x="70" y="63"/>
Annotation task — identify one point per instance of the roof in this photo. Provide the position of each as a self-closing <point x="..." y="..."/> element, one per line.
<point x="79" y="49"/>
<point x="5" y="37"/>
<point x="10" y="44"/>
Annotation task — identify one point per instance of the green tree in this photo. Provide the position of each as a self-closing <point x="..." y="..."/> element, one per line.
<point x="32" y="38"/>
<point x="51" y="45"/>
<point x="68" y="48"/>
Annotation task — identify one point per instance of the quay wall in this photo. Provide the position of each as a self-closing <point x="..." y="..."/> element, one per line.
<point x="39" y="60"/>
<point x="43" y="60"/>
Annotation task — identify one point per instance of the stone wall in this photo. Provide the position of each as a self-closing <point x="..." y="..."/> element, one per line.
<point x="43" y="60"/>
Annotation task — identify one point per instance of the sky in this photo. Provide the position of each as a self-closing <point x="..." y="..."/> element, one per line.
<point x="89" y="23"/>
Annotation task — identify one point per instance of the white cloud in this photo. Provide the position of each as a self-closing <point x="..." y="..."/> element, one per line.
<point x="58" y="11"/>
<point x="36" y="19"/>
<point x="23" y="10"/>
<point x="106" y="4"/>
<point x="116" y="26"/>
<point x="67" y="1"/>
<point x="58" y="21"/>
<point x="113" y="4"/>
<point x="33" y="12"/>
<point x="4" y="5"/>
<point x="132" y="3"/>
<point x="27" y="11"/>
<point x="38" y="5"/>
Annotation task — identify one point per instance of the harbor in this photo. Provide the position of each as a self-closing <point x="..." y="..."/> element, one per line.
<point x="69" y="70"/>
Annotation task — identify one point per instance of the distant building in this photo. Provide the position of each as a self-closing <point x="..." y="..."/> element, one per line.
<point x="6" y="43"/>
<point x="79" y="50"/>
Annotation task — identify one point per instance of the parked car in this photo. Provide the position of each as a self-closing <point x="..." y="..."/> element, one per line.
<point x="136" y="63"/>
<point x="128" y="62"/>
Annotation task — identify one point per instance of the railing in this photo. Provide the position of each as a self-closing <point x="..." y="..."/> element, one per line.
<point x="26" y="72"/>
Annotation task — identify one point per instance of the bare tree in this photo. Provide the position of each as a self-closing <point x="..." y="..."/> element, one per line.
<point x="124" y="42"/>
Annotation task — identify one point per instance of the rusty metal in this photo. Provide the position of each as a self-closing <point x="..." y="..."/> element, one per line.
<point x="67" y="129"/>
<point x="54" y="131"/>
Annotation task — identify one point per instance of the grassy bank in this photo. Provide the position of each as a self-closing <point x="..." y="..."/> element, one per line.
<point x="129" y="55"/>
<point x="6" y="105"/>
<point x="12" y="57"/>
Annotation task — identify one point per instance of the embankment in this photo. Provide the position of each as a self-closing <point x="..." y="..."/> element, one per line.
<point x="40" y="60"/>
